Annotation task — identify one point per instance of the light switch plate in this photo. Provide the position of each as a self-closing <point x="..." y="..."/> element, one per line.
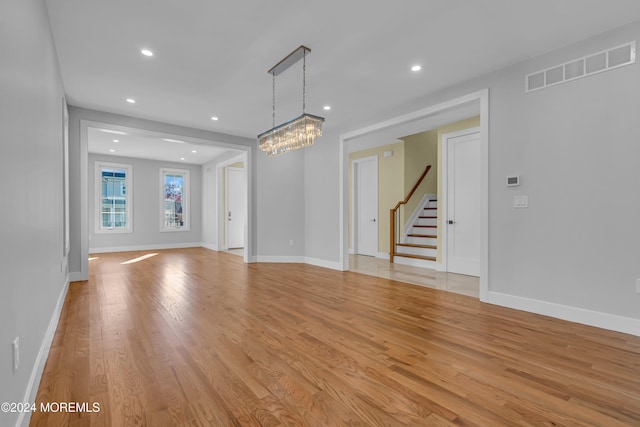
<point x="520" y="201"/>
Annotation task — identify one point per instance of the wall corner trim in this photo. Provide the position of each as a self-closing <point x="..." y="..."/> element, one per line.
<point x="210" y="246"/>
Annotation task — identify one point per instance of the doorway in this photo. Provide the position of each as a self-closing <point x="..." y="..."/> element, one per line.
<point x="113" y="134"/>
<point x="478" y="101"/>
<point x="365" y="206"/>
<point x="461" y="202"/>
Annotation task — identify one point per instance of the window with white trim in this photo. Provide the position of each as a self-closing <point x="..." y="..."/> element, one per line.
<point x="174" y="200"/>
<point x="113" y="197"/>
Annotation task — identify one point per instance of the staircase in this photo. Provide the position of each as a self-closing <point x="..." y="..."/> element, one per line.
<point x="418" y="246"/>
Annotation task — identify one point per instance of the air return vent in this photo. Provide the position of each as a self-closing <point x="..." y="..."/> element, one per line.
<point x="606" y="60"/>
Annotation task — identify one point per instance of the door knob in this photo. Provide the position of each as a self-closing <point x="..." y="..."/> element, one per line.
<point x="451" y="222"/>
<point x="374" y="220"/>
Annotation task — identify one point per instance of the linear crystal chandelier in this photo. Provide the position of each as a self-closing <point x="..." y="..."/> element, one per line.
<point x="299" y="132"/>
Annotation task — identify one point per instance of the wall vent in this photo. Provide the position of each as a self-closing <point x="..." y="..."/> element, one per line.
<point x="606" y="60"/>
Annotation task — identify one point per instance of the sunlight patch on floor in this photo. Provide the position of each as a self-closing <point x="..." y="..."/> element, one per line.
<point x="140" y="258"/>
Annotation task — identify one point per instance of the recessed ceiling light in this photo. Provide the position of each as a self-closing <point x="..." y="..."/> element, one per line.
<point x="214" y="118"/>
<point x="177" y="141"/>
<point x="116" y="140"/>
<point x="131" y="100"/>
<point x="416" y="68"/>
<point x="112" y="150"/>
<point x="181" y="158"/>
<point x="146" y="52"/>
<point x="327" y="107"/>
<point x="194" y="151"/>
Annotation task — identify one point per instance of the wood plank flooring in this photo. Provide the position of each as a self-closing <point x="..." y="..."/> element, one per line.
<point x="196" y="337"/>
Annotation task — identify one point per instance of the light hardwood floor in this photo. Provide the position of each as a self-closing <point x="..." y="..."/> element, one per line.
<point x="195" y="337"/>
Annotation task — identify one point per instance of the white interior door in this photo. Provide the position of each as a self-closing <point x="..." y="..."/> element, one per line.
<point x="365" y="175"/>
<point x="463" y="204"/>
<point x="236" y="207"/>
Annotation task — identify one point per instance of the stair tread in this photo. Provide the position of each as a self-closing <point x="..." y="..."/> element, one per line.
<point x="431" y="209"/>
<point x="426" y="258"/>
<point x="415" y="245"/>
<point x="421" y="235"/>
<point x="426" y="226"/>
<point x="428" y="217"/>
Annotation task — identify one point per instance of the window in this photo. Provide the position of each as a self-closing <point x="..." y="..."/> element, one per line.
<point x="174" y="200"/>
<point x="113" y="198"/>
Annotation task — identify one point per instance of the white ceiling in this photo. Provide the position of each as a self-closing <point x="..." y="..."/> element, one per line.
<point x="127" y="142"/>
<point x="211" y="57"/>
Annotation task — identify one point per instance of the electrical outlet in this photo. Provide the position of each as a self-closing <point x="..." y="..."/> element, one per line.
<point x="290" y="242"/>
<point x="16" y="354"/>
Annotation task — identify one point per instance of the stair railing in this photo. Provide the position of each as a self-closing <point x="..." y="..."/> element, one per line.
<point x="394" y="213"/>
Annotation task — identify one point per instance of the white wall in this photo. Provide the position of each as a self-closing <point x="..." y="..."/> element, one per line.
<point x="322" y="186"/>
<point x="31" y="254"/>
<point x="281" y="207"/>
<point x="146" y="204"/>
<point x="209" y="205"/>
<point x="574" y="252"/>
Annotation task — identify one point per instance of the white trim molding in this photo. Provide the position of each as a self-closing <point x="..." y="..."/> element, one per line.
<point x="144" y="247"/>
<point x="209" y="246"/>
<point x="43" y="355"/>
<point x="127" y="188"/>
<point x="281" y="259"/>
<point x="598" y="319"/>
<point x="185" y="199"/>
<point x="333" y="265"/>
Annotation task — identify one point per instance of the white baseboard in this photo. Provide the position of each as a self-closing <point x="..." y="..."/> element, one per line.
<point x="210" y="246"/>
<point x="281" y="259"/>
<point x="333" y="265"/>
<point x="144" y="247"/>
<point x="76" y="276"/>
<point x="598" y="319"/>
<point x="43" y="354"/>
<point x="383" y="255"/>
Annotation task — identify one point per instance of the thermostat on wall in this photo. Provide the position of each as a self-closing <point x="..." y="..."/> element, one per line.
<point x="513" y="181"/>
